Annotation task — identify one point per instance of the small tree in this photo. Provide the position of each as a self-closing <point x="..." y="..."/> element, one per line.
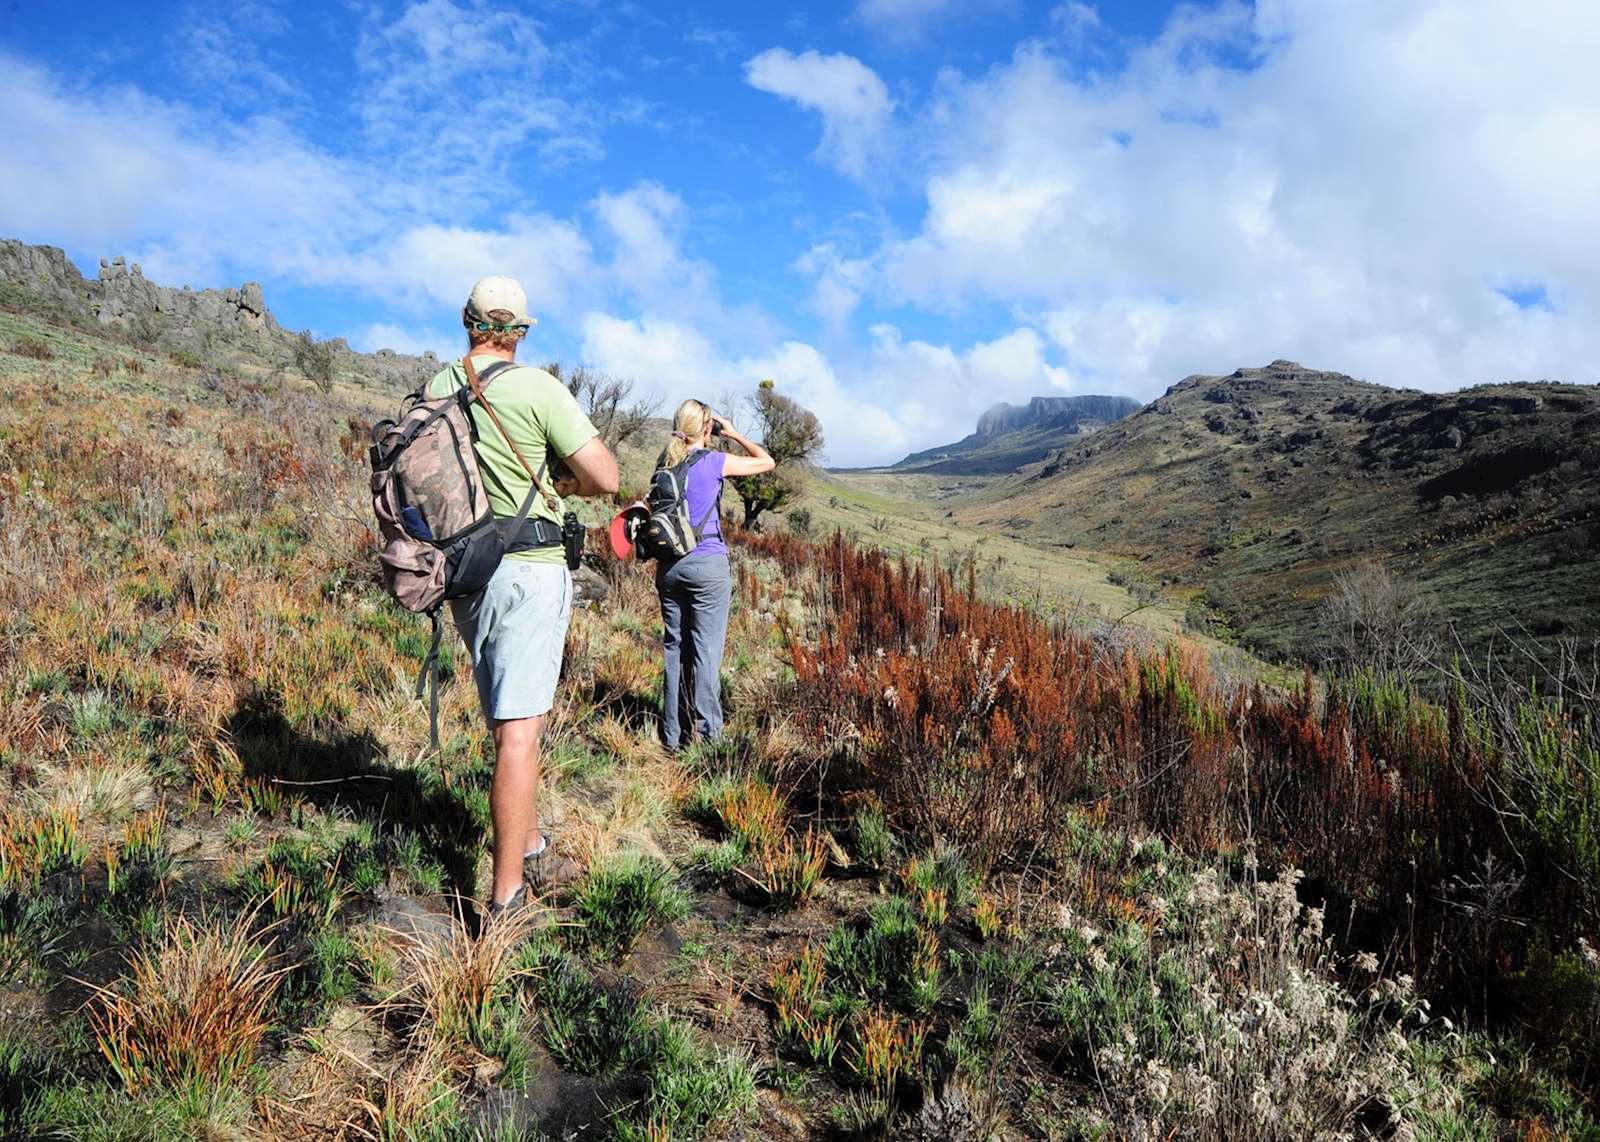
<point x="793" y="436"/>
<point x="1373" y="621"/>
<point x="605" y="400"/>
<point x="314" y="359"/>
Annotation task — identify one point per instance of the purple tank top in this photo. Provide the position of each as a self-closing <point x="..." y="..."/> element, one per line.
<point x="703" y="484"/>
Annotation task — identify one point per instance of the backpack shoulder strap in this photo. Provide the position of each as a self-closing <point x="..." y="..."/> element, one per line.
<point x="477" y="383"/>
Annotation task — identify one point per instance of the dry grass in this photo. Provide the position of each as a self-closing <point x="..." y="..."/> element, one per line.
<point x="192" y="1011"/>
<point x="107" y="791"/>
<point x="619" y="813"/>
<point x="448" y="987"/>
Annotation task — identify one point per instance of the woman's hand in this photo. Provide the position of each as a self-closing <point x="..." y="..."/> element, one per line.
<point x="755" y="461"/>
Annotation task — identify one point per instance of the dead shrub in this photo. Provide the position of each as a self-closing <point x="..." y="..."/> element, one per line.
<point x="33" y="348"/>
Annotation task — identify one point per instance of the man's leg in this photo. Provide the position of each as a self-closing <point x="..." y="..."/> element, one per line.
<point x="516" y="632"/>
<point x="514" y="800"/>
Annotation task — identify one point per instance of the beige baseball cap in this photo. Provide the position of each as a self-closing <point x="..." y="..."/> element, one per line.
<point x="503" y="294"/>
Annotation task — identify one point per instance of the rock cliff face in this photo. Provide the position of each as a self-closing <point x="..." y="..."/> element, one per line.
<point x="1012" y="436"/>
<point x="1065" y="412"/>
<point x="122" y="297"/>
<point x="127" y="297"/>
<point x="43" y="279"/>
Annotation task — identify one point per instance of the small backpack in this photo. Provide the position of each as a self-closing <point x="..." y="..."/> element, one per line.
<point x="441" y="539"/>
<point x="668" y="531"/>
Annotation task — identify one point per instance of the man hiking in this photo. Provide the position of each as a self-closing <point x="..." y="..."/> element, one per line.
<point x="529" y="429"/>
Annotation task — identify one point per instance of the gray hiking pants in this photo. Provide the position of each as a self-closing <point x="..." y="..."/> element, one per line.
<point x="696" y="594"/>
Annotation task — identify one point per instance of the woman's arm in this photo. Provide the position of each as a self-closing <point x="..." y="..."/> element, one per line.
<point x="757" y="459"/>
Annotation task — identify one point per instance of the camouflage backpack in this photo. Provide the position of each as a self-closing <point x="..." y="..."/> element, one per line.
<point x="441" y="539"/>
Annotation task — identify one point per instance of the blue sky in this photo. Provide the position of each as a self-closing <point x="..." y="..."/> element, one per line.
<point x="903" y="210"/>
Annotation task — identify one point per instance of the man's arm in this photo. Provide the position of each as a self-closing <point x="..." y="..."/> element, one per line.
<point x="593" y="471"/>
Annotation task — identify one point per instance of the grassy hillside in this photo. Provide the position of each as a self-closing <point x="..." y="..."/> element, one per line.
<point x="958" y="872"/>
<point x="1255" y="489"/>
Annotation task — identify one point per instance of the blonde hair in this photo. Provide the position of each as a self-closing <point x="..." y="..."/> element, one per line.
<point x="688" y="426"/>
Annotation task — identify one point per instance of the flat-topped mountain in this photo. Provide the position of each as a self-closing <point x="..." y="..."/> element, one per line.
<point x="1067" y="413"/>
<point x="1260" y="486"/>
<point x="1011" y="436"/>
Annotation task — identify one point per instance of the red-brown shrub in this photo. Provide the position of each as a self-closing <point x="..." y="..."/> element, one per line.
<point x="982" y="723"/>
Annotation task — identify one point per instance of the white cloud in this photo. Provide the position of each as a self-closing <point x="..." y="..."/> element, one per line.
<point x="910" y="20"/>
<point x="721" y="42"/>
<point x="840" y="282"/>
<point x="876" y="405"/>
<point x="198" y="199"/>
<point x="201" y="193"/>
<point x="434" y="265"/>
<point x="1354" y="199"/>
<point x="458" y="87"/>
<point x="901" y="13"/>
<point x="224" y="52"/>
<point x="645" y="224"/>
<point x="852" y="100"/>
<point x="666" y="358"/>
<point x="383" y="335"/>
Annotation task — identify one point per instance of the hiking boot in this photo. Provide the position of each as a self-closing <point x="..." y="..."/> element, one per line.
<point x="519" y="901"/>
<point x="548" y="871"/>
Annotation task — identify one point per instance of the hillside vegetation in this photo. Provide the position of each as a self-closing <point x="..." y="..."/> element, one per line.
<point x="958" y="871"/>
<point x="1256" y="489"/>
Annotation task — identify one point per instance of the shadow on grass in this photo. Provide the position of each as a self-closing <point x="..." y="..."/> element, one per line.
<point x="351" y="771"/>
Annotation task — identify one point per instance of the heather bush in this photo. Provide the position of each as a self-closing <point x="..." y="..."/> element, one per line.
<point x="33" y="347"/>
<point x="980" y="723"/>
<point x="1239" y="1032"/>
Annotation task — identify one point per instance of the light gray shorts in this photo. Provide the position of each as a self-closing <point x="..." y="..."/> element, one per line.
<point x="515" y="630"/>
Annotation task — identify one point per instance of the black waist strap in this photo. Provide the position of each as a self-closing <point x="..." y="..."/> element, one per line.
<point x="534" y="534"/>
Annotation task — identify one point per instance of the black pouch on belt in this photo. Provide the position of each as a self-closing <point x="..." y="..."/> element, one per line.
<point x="572" y="536"/>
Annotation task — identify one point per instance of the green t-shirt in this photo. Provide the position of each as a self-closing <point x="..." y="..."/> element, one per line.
<point x="543" y="419"/>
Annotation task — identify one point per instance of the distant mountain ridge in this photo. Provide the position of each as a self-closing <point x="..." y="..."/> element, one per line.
<point x="1067" y="412"/>
<point x="1259" y="487"/>
<point x="1010" y="436"/>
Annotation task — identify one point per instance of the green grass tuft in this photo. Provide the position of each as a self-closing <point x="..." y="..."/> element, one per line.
<point x="622" y="897"/>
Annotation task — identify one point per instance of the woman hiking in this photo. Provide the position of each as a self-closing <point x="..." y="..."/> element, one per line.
<point x="697" y="590"/>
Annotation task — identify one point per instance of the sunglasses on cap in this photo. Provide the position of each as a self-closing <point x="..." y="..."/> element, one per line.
<point x="491" y="327"/>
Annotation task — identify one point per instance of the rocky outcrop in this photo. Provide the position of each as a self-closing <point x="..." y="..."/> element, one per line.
<point x="43" y="279"/>
<point x="1013" y="436"/>
<point x="43" y="274"/>
<point x="182" y="317"/>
